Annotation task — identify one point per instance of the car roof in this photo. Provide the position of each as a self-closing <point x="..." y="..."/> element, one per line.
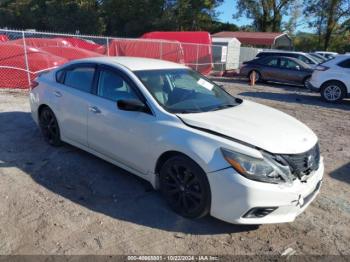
<point x="279" y="56"/>
<point x="326" y="52"/>
<point x="134" y="63"/>
<point x="282" y="51"/>
<point x="296" y="60"/>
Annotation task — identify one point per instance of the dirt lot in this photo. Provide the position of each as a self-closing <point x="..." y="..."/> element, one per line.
<point x="66" y="201"/>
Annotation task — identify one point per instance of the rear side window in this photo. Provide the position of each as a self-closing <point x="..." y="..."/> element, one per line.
<point x="345" y="63"/>
<point x="80" y="78"/>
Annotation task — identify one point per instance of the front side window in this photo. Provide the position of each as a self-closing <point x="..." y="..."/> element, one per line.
<point x="80" y="78"/>
<point x="185" y="91"/>
<point x="272" y="62"/>
<point x="289" y="64"/>
<point x="113" y="87"/>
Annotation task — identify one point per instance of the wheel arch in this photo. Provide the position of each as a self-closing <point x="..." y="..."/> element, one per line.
<point x="166" y="156"/>
<point x="333" y="80"/>
<point x="257" y="70"/>
<point x="41" y="107"/>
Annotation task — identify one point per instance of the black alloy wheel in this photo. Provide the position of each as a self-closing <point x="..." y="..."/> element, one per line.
<point x="185" y="187"/>
<point x="49" y="127"/>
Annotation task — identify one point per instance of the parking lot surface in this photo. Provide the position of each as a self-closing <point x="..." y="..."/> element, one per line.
<point x="65" y="201"/>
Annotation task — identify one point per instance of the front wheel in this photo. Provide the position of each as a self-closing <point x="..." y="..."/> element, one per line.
<point x="49" y="127"/>
<point x="185" y="187"/>
<point x="333" y="91"/>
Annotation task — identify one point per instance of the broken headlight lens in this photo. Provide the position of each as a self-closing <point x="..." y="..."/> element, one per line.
<point x="266" y="169"/>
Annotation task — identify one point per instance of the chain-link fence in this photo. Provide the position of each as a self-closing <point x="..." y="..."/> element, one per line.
<point x="24" y="54"/>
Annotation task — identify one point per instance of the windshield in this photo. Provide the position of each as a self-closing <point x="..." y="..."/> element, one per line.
<point x="317" y="58"/>
<point x="185" y="91"/>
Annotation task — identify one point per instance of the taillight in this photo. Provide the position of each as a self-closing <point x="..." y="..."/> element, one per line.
<point x="321" y="68"/>
<point x="33" y="84"/>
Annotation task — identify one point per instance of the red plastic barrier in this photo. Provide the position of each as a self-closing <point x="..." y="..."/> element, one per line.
<point x="196" y="47"/>
<point x="171" y="51"/>
<point x="3" y="38"/>
<point x="41" y="42"/>
<point x="84" y="44"/>
<point x="69" y="53"/>
<point x="13" y="68"/>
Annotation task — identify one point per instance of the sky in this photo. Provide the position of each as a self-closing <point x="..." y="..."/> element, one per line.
<point x="226" y="13"/>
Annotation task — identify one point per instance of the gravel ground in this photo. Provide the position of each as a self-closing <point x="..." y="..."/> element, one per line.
<point x="65" y="201"/>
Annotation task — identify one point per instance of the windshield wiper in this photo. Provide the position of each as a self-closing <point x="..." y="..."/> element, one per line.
<point x="222" y="107"/>
<point x="186" y="112"/>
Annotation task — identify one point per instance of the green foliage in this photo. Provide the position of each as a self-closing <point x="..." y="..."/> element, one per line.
<point x="326" y="17"/>
<point x="50" y="15"/>
<point x="113" y="17"/>
<point x="267" y="14"/>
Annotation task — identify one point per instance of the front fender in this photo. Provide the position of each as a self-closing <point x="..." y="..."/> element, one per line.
<point x="202" y="147"/>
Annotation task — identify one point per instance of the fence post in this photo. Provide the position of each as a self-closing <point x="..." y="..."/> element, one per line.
<point x="107" y="45"/>
<point x="26" y="58"/>
<point x="197" y="55"/>
<point x="161" y="50"/>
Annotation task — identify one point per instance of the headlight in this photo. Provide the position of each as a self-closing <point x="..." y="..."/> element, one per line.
<point x="264" y="170"/>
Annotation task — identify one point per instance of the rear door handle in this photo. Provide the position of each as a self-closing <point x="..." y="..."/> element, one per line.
<point x="94" y="109"/>
<point x="57" y="93"/>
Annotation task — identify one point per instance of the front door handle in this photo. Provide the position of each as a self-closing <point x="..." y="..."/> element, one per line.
<point x="57" y="93"/>
<point x="94" y="109"/>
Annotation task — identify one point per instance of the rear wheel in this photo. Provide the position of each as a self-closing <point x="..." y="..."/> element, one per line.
<point x="257" y="76"/>
<point x="333" y="91"/>
<point x="49" y="127"/>
<point x="306" y="82"/>
<point x="185" y="187"/>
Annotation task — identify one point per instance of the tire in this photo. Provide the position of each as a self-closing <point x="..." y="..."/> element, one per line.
<point x="333" y="91"/>
<point x="306" y="81"/>
<point x="49" y="127"/>
<point x="185" y="187"/>
<point x="258" y="77"/>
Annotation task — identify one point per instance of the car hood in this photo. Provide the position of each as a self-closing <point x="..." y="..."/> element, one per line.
<point x="258" y="125"/>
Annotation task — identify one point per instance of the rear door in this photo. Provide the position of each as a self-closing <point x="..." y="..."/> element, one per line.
<point x="72" y="93"/>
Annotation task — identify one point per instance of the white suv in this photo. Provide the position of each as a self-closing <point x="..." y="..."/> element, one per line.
<point x="332" y="79"/>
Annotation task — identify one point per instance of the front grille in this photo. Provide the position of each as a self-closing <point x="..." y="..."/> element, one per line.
<point x="303" y="164"/>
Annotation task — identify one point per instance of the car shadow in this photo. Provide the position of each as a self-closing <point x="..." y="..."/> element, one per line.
<point x="342" y="173"/>
<point x="93" y="183"/>
<point x="297" y="98"/>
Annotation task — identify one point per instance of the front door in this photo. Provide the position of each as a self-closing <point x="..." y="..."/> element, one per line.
<point x="124" y="136"/>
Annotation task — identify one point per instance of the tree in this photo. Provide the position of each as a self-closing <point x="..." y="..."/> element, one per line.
<point x="267" y="14"/>
<point x="52" y="15"/>
<point x="195" y="14"/>
<point x="326" y="16"/>
<point x="295" y="15"/>
<point x="113" y="17"/>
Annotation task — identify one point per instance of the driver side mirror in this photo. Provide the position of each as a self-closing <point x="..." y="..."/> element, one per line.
<point x="298" y="67"/>
<point x="132" y="105"/>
